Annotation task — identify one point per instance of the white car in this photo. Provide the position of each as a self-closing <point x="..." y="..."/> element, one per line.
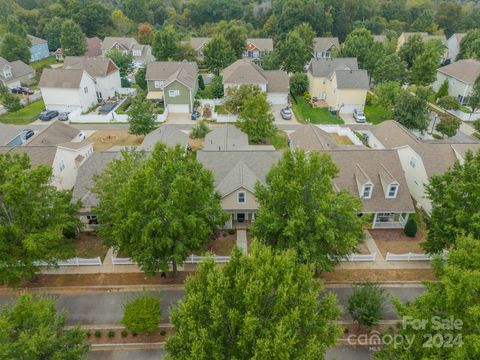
<point x="359" y="116"/>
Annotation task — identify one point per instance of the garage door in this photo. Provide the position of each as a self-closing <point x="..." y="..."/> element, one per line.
<point x="178" y="108"/>
<point x="348" y="108"/>
<point x="278" y="99"/>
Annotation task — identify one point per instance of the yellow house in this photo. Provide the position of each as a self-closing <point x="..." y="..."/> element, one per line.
<point x="338" y="82"/>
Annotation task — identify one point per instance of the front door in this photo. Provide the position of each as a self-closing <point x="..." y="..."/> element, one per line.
<point x="241" y="217"/>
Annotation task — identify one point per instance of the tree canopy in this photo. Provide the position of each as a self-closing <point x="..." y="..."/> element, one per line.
<point x="299" y="209"/>
<point x="269" y="303"/>
<point x="218" y="54"/>
<point x="256" y="118"/>
<point x="141" y="116"/>
<point x="411" y="111"/>
<point x="72" y="39"/>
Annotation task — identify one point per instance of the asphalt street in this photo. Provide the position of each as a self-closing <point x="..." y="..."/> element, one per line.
<point x="106" y="308"/>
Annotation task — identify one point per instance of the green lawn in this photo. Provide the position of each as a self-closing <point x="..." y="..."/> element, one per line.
<point x="305" y="113"/>
<point x="376" y="114"/>
<point x="47" y="61"/>
<point x="205" y="93"/>
<point x="25" y="115"/>
<point x="279" y="140"/>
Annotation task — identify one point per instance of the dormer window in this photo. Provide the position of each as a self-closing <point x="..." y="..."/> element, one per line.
<point x="392" y="191"/>
<point x="7" y="72"/>
<point x="241" y="197"/>
<point x="367" y="191"/>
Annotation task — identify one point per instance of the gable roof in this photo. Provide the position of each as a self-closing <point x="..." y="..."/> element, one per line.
<point x="18" y="68"/>
<point x="127" y="42"/>
<point x="262" y="44"/>
<point x="61" y="78"/>
<point x="7" y="133"/>
<point x="278" y="81"/>
<point x="184" y="71"/>
<point x="39" y="155"/>
<point x="467" y="70"/>
<point x="94" y="46"/>
<point x="234" y="169"/>
<point x="324" y="43"/>
<point x="225" y="138"/>
<point x="352" y="79"/>
<point x="54" y="134"/>
<point x="168" y="135"/>
<point x="36" y="40"/>
<point x="311" y="137"/>
<point x="95" y="66"/>
<point x="326" y="67"/>
<point x="198" y="42"/>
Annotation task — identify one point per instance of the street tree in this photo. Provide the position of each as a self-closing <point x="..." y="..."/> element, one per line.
<point x="14" y="47"/>
<point x="455" y="197"/>
<point x="389" y="68"/>
<point x="270" y="304"/>
<point x="72" y="39"/>
<point x="123" y="60"/>
<point x="300" y="209"/>
<point x="411" y="111"/>
<point x="448" y="125"/>
<point x="33" y="218"/>
<point x="448" y="311"/>
<point x="157" y="209"/>
<point x="165" y="44"/>
<point x="218" y="54"/>
<point x="236" y="97"/>
<point x="142" y="315"/>
<point x="31" y="328"/>
<point x="366" y="303"/>
<point x="141" y="116"/>
<point x="256" y="118"/>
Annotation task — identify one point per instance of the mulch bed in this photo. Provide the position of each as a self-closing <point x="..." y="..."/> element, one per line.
<point x="159" y="335"/>
<point x="222" y="245"/>
<point x="342" y="276"/>
<point x="88" y="245"/>
<point x="395" y="241"/>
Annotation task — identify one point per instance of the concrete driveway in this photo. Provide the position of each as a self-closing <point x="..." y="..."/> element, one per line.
<point x="278" y="118"/>
<point x="348" y="118"/>
<point x="179" y="118"/>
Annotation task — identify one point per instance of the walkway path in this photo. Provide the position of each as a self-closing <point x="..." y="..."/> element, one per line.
<point x="242" y="241"/>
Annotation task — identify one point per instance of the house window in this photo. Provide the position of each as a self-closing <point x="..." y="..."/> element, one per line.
<point x="158" y="84"/>
<point x="85" y="89"/>
<point x="241" y="197"/>
<point x="413" y="162"/>
<point x="92" y="220"/>
<point x="7" y="72"/>
<point x="392" y="191"/>
<point x="173" y="93"/>
<point x="61" y="165"/>
<point x="367" y="191"/>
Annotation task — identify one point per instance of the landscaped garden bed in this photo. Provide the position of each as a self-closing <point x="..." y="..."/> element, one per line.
<point x="222" y="245"/>
<point x="124" y="336"/>
<point x="87" y="245"/>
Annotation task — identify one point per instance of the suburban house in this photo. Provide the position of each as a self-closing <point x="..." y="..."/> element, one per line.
<point x="324" y="46"/>
<point x="461" y="76"/>
<point x="403" y="38"/>
<point x="93" y="48"/>
<point x="67" y="90"/>
<point x="339" y="83"/>
<point x="15" y="73"/>
<point x="453" y="45"/>
<point x="60" y="146"/>
<point x="275" y="83"/>
<point x="168" y="135"/>
<point x="311" y="138"/>
<point x="142" y="54"/>
<point x="419" y="159"/>
<point x="105" y="73"/>
<point x="197" y="43"/>
<point x="173" y="84"/>
<point x="230" y="138"/>
<point x="255" y="49"/>
<point x="38" y="48"/>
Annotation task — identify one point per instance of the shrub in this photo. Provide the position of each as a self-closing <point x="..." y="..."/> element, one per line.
<point x="88" y="333"/>
<point x="448" y="126"/>
<point x="231" y="231"/>
<point x="199" y="131"/>
<point x="217" y="87"/>
<point x="370" y="100"/>
<point x="163" y="332"/>
<point x="307" y="96"/>
<point x="111" y="333"/>
<point x="11" y="102"/>
<point x="443" y="90"/>
<point x="124" y="333"/>
<point x="142" y="315"/>
<point x="98" y="333"/>
<point x="124" y="82"/>
<point x="476" y="125"/>
<point x="201" y="84"/>
<point x="448" y="103"/>
<point x="411" y="228"/>
<point x="365" y="305"/>
<point x="298" y="83"/>
<point x="124" y="106"/>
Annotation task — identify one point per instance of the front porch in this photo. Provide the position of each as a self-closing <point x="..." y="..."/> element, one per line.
<point x="389" y="220"/>
<point x="240" y="219"/>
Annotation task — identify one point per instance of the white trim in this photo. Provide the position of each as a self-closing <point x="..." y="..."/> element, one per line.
<point x="244" y="197"/>
<point x="387" y="194"/>
<point x="370" y="186"/>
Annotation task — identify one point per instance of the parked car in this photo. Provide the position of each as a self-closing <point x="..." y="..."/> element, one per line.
<point x="359" y="116"/>
<point x="195" y="115"/>
<point x="48" y="115"/>
<point x="286" y="113"/>
<point x="26" y="134"/>
<point x="63" y="116"/>
<point x="22" y="90"/>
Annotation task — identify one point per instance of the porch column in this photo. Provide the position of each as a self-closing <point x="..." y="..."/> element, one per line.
<point x="374" y="220"/>
<point x="405" y="219"/>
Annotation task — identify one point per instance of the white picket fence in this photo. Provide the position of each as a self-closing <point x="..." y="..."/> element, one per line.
<point x="76" y="261"/>
<point x="360" y="257"/>
<point x="192" y="259"/>
<point x="407" y="257"/>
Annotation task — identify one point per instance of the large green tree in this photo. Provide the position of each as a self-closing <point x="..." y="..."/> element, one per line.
<point x="31" y="328"/>
<point x="236" y="96"/>
<point x="51" y="33"/>
<point x="300" y="209"/>
<point x="389" y="68"/>
<point x="411" y="49"/>
<point x="424" y="67"/>
<point x="165" y="44"/>
<point x="297" y="49"/>
<point x="474" y="98"/>
<point x="411" y="111"/>
<point x="14" y="47"/>
<point x="366" y="303"/>
<point x="124" y="61"/>
<point x="157" y="209"/>
<point x="470" y="45"/>
<point x="72" y="39"/>
<point x="33" y="217"/>
<point x="218" y="54"/>
<point x="262" y="306"/>
<point x="256" y="118"/>
<point x="455" y="198"/>
<point x="442" y="323"/>
<point x="141" y="116"/>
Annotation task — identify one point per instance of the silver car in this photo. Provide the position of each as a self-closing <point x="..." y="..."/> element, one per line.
<point x="286" y="113"/>
<point x="359" y="116"/>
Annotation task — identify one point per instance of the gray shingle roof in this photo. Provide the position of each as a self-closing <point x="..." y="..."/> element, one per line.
<point x="324" y="43"/>
<point x="262" y="44"/>
<point x="352" y="79"/>
<point x="311" y="137"/>
<point x="467" y="70"/>
<point x="126" y="42"/>
<point x="198" y="42"/>
<point x="61" y="78"/>
<point x="39" y="155"/>
<point x="184" y="71"/>
<point x="278" y="81"/>
<point x="18" y="68"/>
<point x="36" y="40"/>
<point x="225" y="138"/>
<point x="7" y="133"/>
<point x="54" y="134"/>
<point x="326" y="67"/>
<point x="168" y="135"/>
<point x="95" y="66"/>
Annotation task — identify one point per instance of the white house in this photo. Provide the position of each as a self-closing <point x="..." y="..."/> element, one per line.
<point x="67" y="90"/>
<point x="461" y="76"/>
<point x="453" y="45"/>
<point x="142" y="54"/>
<point x="103" y="70"/>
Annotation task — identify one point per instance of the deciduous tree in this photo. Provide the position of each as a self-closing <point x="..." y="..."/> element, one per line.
<point x="165" y="44"/>
<point x="256" y="118"/>
<point x="474" y="98"/>
<point x="389" y="68"/>
<point x="365" y="305"/>
<point x="409" y="51"/>
<point x="124" y="61"/>
<point x="72" y="39"/>
<point x="236" y="97"/>
<point x="141" y="116"/>
<point x="297" y="49"/>
<point x="123" y="25"/>
<point x="15" y="47"/>
<point x="31" y="328"/>
<point x="300" y="209"/>
<point x="270" y="304"/>
<point x="142" y="315"/>
<point x="470" y="45"/>
<point x="298" y="83"/>
<point x="218" y="54"/>
<point x="157" y="209"/>
<point x="51" y="33"/>
<point x="145" y="34"/>
<point x="448" y="103"/>
<point x="33" y="215"/>
<point x="411" y="111"/>
<point x="448" y="125"/>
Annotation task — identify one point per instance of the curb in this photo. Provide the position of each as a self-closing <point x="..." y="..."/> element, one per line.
<point x="131" y="346"/>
